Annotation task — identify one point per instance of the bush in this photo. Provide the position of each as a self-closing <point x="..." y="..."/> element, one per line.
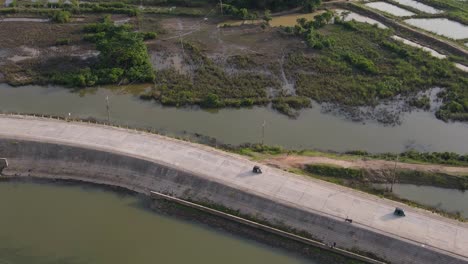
<point x="123" y="57"/>
<point x="211" y="101"/>
<point x="63" y="41"/>
<point x="360" y="62"/>
<point x="331" y="171"/>
<point x="149" y="35"/>
<point x="61" y="16"/>
<point x="424" y="102"/>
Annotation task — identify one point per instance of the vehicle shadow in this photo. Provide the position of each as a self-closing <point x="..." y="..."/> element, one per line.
<point x="389" y="217"/>
<point x="246" y="174"/>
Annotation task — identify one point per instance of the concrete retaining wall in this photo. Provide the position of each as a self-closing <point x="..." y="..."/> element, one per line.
<point x="3" y="164"/>
<point x="35" y="159"/>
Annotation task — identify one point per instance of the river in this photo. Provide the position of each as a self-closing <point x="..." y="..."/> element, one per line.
<point x="311" y="130"/>
<point x="76" y="224"/>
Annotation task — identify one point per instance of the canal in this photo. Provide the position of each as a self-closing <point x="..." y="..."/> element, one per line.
<point x="313" y="129"/>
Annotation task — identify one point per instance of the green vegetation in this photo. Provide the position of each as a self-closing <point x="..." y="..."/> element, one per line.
<point x="123" y="57"/>
<point x="454" y="9"/>
<point x="432" y="179"/>
<point x="447" y="158"/>
<point x="274" y="5"/>
<point x="424" y="102"/>
<point x="308" y="30"/>
<point x="290" y="105"/>
<point x="333" y="171"/>
<point x="61" y="17"/>
<point x="363" y="177"/>
<point x="411" y="156"/>
<point x="363" y="180"/>
<point x="356" y="64"/>
<point x="210" y="86"/>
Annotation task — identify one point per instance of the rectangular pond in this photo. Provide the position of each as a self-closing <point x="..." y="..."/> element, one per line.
<point x="441" y="26"/>
<point x="349" y="16"/>
<point x="390" y="9"/>
<point x="419" y="6"/>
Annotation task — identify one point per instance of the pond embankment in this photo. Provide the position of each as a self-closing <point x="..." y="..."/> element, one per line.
<point x="401" y="29"/>
<point x="144" y="162"/>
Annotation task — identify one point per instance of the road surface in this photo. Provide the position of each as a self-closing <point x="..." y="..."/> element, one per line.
<point x="425" y="228"/>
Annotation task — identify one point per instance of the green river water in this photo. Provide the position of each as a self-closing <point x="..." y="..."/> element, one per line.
<point x="51" y="224"/>
<point x="311" y="130"/>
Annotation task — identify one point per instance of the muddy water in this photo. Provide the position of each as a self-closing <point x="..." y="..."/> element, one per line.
<point x="285" y="21"/>
<point x="84" y="225"/>
<point x="313" y="129"/>
<point x="291" y="20"/>
<point x="446" y="199"/>
<point x="389" y="8"/>
<point x="441" y="26"/>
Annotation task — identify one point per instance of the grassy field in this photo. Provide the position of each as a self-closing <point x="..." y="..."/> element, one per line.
<point x="364" y="66"/>
<point x="197" y="62"/>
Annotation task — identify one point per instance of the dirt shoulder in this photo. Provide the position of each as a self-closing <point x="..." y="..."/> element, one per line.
<point x="296" y="161"/>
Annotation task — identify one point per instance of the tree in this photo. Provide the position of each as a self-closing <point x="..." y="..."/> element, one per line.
<point x="211" y="101"/>
<point x="267" y="16"/>
<point x="61" y="16"/>
<point x="244" y="13"/>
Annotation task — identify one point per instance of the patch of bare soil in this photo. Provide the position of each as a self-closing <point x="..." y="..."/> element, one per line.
<point x="294" y="161"/>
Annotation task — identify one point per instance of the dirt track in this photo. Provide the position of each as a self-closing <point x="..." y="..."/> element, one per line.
<point x="293" y="161"/>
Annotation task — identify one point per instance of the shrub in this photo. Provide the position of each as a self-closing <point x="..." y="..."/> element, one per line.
<point x="211" y="101"/>
<point x="360" y="62"/>
<point x="61" y="16"/>
<point x="331" y="171"/>
<point x="63" y="41"/>
<point x="149" y="35"/>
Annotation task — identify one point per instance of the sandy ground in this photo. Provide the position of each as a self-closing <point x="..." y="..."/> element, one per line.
<point x="293" y="161"/>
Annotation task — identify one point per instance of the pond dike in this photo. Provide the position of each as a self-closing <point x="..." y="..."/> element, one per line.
<point x="143" y="162"/>
<point x="408" y="32"/>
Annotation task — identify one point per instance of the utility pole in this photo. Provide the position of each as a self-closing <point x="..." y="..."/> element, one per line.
<point x="108" y="109"/>
<point x="263" y="132"/>
<point x="394" y="173"/>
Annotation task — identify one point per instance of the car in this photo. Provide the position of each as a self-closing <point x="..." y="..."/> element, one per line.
<point x="256" y="169"/>
<point x="399" y="212"/>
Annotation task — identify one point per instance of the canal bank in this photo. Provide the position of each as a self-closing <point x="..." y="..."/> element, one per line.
<point x="313" y="129"/>
<point x="142" y="162"/>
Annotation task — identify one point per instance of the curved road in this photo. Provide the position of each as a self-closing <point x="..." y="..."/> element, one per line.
<point x="368" y="211"/>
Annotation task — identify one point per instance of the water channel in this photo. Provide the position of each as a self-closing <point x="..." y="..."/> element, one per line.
<point x="83" y="225"/>
<point x="449" y="200"/>
<point x="312" y="130"/>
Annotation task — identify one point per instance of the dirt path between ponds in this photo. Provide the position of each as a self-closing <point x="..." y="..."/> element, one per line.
<point x="294" y="161"/>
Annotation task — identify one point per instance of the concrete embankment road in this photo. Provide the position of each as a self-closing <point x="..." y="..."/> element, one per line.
<point x="298" y="202"/>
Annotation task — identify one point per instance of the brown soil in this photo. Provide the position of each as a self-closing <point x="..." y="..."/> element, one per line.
<point x="293" y="161"/>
